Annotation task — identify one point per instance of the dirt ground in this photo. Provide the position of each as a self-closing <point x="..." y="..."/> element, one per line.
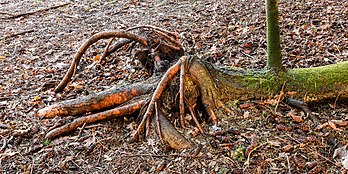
<point x="223" y="32"/>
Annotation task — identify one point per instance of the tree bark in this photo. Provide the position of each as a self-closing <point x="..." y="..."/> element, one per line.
<point x="307" y="84"/>
<point x="274" y="57"/>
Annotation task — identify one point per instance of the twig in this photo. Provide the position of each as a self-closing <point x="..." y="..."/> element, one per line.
<point x="153" y="27"/>
<point x="301" y="105"/>
<point x="37" y="11"/>
<point x="106" y="50"/>
<point x="4" y="144"/>
<point x="334" y="105"/>
<point x="31" y="108"/>
<point x="181" y="93"/>
<point x="248" y="159"/>
<point x="288" y="161"/>
<point x="83" y="127"/>
<point x="20" y="33"/>
<point x="280" y="96"/>
<point x="171" y="155"/>
<point x="245" y="54"/>
<point x="195" y="120"/>
<point x="5" y="13"/>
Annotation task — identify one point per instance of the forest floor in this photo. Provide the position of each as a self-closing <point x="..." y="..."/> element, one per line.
<point x="223" y="32"/>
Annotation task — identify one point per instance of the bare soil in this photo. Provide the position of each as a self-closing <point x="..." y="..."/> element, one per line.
<point x="230" y="33"/>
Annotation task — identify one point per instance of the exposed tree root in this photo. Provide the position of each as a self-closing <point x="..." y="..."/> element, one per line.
<point x="170" y="135"/>
<point x="157" y="94"/>
<point x="200" y="84"/>
<point x="105" y="115"/>
<point x="96" y="102"/>
<point x="89" y="42"/>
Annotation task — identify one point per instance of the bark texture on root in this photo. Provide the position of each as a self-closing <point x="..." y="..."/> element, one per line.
<point x="169" y="134"/>
<point x="105" y="115"/>
<point x="96" y="102"/>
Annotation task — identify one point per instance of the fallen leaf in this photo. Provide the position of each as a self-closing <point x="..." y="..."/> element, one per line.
<point x="287" y="148"/>
<point x="96" y="58"/>
<point x="244" y="106"/>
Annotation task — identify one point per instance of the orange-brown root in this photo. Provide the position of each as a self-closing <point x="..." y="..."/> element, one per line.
<point x="106" y="115"/>
<point x="94" y="102"/>
<point x="157" y="94"/>
<point x="89" y="42"/>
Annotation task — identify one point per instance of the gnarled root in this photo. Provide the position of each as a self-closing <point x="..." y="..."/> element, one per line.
<point x="195" y="82"/>
<point x="89" y="42"/>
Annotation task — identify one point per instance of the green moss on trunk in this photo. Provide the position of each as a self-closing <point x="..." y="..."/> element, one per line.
<point x="274" y="59"/>
<point x="237" y="84"/>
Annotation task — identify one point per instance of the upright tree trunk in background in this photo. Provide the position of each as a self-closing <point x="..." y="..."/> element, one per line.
<point x="274" y="59"/>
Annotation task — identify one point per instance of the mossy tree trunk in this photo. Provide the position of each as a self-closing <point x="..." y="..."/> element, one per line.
<point x="274" y="57"/>
<point x="307" y="84"/>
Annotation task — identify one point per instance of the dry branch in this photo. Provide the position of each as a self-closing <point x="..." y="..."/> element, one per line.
<point x="12" y="16"/>
<point x="19" y="33"/>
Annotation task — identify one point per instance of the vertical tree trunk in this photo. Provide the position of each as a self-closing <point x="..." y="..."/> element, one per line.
<point x="274" y="59"/>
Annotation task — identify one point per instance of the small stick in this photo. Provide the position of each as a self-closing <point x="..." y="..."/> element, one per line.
<point x="161" y="156"/>
<point x="195" y="120"/>
<point x="247" y="163"/>
<point x="37" y="11"/>
<point x="181" y="92"/>
<point x="17" y="34"/>
<point x="158" y="124"/>
<point x="4" y="144"/>
<point x="83" y="127"/>
<point x="106" y="50"/>
<point x="117" y="46"/>
<point x="153" y="27"/>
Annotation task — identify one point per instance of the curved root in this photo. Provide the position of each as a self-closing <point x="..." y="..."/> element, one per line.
<point x="89" y="42"/>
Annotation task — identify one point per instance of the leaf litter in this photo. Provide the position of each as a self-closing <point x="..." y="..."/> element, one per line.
<point x="36" y="50"/>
